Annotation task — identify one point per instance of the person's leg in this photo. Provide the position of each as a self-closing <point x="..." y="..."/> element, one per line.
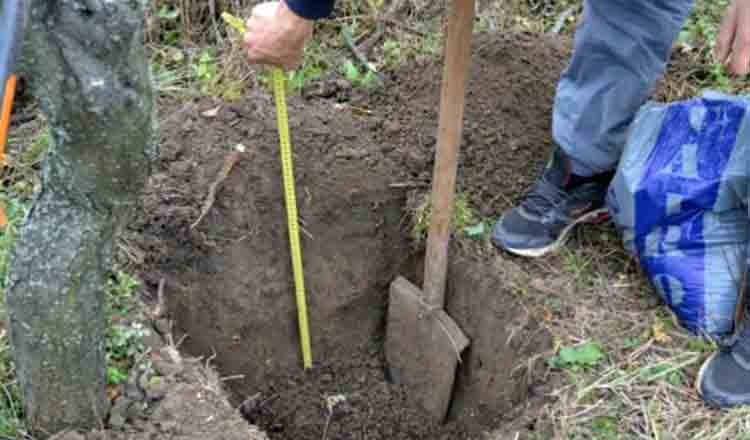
<point x="620" y="50"/>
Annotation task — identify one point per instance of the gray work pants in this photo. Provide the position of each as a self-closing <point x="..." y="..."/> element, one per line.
<point x="621" y="49"/>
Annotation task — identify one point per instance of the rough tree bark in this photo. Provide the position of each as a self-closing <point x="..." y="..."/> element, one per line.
<point x="87" y="65"/>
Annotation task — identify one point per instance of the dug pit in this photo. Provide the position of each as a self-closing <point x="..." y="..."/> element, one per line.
<point x="227" y="278"/>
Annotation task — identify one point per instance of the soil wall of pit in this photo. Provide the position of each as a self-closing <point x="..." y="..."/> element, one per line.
<point x="228" y="280"/>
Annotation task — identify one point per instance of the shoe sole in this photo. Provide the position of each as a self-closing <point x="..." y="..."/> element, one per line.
<point x="594" y="217"/>
<point x="701" y="373"/>
<point x="699" y="380"/>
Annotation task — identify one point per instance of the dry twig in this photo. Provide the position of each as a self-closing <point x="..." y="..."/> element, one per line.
<point x="229" y="162"/>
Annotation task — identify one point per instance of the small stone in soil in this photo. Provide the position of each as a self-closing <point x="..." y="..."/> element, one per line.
<point x="118" y="414"/>
<point x="162" y="326"/>
<point x="167" y="364"/>
<point x="131" y="386"/>
<point x="153" y="340"/>
<point x="69" y="435"/>
<point x="97" y="435"/>
<point x="392" y="128"/>
<point x="352" y="153"/>
<point x="136" y="410"/>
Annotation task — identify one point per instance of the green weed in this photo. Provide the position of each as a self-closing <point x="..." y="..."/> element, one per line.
<point x="123" y="339"/>
<point x="699" y="37"/>
<point x="169" y="21"/>
<point x="37" y="149"/>
<point x="356" y="77"/>
<point x="11" y="409"/>
<point x="14" y="210"/>
<point x="701" y="345"/>
<point x="578" y="264"/>
<point x="587" y="355"/>
<point x="463" y="216"/>
<point x="605" y="428"/>
<point x="313" y="67"/>
<point x="671" y="373"/>
<point x="206" y="69"/>
<point x="121" y="299"/>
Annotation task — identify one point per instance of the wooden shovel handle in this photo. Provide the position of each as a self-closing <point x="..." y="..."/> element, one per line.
<point x="457" y="55"/>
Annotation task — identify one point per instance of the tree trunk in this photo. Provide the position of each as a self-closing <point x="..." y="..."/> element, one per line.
<point x="88" y="66"/>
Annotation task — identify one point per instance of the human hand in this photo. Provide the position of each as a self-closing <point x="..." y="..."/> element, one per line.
<point x="733" y="45"/>
<point x="276" y="35"/>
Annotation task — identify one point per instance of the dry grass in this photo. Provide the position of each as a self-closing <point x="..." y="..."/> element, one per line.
<point x="643" y="386"/>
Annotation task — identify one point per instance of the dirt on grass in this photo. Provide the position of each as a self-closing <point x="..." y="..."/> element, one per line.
<point x="225" y="268"/>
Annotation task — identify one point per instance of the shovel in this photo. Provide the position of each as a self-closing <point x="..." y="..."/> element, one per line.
<point x="423" y="344"/>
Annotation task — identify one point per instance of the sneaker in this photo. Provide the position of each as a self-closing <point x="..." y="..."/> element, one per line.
<point x="724" y="379"/>
<point x="559" y="201"/>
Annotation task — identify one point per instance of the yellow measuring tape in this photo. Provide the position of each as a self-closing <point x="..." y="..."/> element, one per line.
<point x="282" y="118"/>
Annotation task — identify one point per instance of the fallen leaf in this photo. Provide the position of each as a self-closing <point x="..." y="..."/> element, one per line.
<point x="475" y="231"/>
<point x="660" y="335"/>
<point x="113" y="391"/>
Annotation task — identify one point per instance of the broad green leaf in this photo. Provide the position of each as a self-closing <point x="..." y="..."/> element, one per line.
<point x="584" y="355"/>
<point x="476" y="230"/>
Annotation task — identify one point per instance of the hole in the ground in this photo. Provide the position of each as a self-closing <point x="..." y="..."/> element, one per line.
<point x="228" y="280"/>
<point x="236" y="300"/>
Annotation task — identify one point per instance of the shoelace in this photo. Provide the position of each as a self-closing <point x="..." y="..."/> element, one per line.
<point x="543" y="197"/>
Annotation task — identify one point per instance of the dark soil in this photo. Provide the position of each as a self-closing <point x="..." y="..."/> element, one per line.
<point x="508" y="121"/>
<point x="228" y="281"/>
<point x="297" y="406"/>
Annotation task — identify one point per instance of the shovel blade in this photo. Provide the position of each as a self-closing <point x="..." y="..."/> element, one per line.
<point x="422" y="349"/>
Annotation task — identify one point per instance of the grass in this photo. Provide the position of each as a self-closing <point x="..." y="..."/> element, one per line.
<point x="11" y="409"/>
<point x="463" y="216"/>
<point x="124" y="334"/>
<point x="624" y="369"/>
<point x="642" y="385"/>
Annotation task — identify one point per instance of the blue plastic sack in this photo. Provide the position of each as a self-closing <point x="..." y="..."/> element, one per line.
<point x="679" y="197"/>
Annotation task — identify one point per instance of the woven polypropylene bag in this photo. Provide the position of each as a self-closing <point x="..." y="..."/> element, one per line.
<point x="679" y="198"/>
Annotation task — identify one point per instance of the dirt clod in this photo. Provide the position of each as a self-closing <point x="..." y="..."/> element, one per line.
<point x="68" y="435"/>
<point x="119" y="413"/>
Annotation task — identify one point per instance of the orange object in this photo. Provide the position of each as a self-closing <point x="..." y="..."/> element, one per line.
<point x="10" y="91"/>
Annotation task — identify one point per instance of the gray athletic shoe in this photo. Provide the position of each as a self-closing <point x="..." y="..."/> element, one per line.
<point x="724" y="379"/>
<point x="558" y="202"/>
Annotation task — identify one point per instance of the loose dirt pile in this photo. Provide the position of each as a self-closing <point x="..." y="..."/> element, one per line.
<point x="508" y="122"/>
<point x="228" y="279"/>
<point x="170" y="396"/>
